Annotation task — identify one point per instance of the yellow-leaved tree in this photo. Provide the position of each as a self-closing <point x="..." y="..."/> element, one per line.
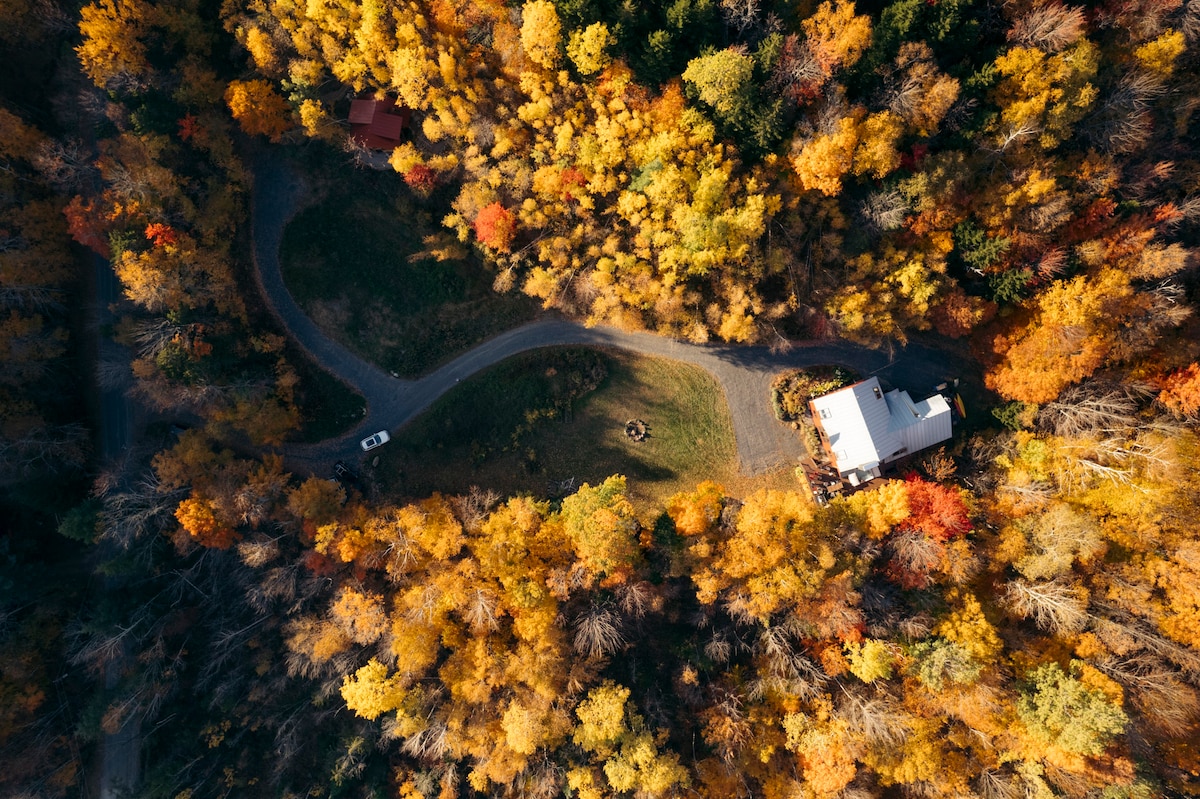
<point x="113" y="49"/>
<point x="1044" y="95"/>
<point x="541" y="33"/>
<point x="588" y="48"/>
<point x="836" y="35"/>
<point x="258" y="108"/>
<point x="371" y="691"/>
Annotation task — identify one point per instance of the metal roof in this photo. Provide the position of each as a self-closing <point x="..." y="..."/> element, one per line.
<point x="362" y="111"/>
<point x="866" y="427"/>
<point x="919" y="424"/>
<point x="857" y="422"/>
<point x="378" y="123"/>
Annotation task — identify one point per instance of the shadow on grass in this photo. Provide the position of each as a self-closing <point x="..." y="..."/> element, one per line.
<point x="492" y="430"/>
<point x="358" y="262"/>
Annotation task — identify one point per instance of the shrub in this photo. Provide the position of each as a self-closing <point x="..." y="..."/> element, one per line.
<point x="792" y="391"/>
<point x="421" y="179"/>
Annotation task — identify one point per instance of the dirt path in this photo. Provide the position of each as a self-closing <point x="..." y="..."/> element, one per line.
<point x="744" y="373"/>
<point x="120" y="752"/>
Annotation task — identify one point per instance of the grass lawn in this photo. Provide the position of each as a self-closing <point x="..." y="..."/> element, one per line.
<point x="330" y="407"/>
<point x="467" y="437"/>
<point x="346" y="261"/>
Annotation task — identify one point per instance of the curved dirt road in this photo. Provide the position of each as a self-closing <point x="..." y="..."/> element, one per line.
<point x="744" y="373"/>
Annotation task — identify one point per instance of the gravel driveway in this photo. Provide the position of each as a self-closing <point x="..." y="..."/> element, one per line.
<point x="744" y="373"/>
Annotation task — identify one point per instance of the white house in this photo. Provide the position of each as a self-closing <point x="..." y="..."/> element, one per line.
<point x="862" y="428"/>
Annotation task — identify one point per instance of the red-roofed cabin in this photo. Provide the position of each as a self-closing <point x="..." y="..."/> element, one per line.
<point x="378" y="124"/>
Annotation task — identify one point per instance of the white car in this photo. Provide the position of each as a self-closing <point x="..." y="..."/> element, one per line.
<point x="371" y="442"/>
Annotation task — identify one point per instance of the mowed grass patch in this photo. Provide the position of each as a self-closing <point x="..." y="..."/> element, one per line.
<point x="468" y="437"/>
<point x="347" y="261"/>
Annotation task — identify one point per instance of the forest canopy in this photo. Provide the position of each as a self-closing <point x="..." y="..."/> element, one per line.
<point x="1017" y="615"/>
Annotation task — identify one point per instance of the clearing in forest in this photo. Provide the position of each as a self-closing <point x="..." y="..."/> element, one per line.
<point x="537" y="421"/>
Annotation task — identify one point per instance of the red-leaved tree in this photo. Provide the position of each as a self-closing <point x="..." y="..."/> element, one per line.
<point x="496" y="227"/>
<point x="936" y="510"/>
<point x="87" y="225"/>
<point x="421" y="179"/>
<point x="161" y="235"/>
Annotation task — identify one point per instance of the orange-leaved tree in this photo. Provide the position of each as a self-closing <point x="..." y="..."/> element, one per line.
<point x="1181" y="391"/>
<point x="198" y="518"/>
<point x="936" y="510"/>
<point x="1068" y="335"/>
<point x="496" y="227"/>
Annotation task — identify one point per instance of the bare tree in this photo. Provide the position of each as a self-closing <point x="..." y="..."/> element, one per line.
<point x="884" y="210"/>
<point x="113" y="373"/>
<point x="938" y="466"/>
<point x="1053" y="263"/>
<point x="1050" y="26"/>
<point x="1166" y="309"/>
<point x="797" y="70"/>
<point x="1050" y="213"/>
<point x="1070" y="783"/>
<point x="877" y="718"/>
<point x="429" y="744"/>
<point x="1094" y="405"/>
<point x="1123" y="123"/>
<point x="998" y="784"/>
<point x="636" y="598"/>
<point x="33" y="298"/>
<point x="94" y="645"/>
<point x="784" y="667"/>
<point x="718" y="649"/>
<point x="1189" y="23"/>
<point x="915" y="552"/>
<point x="544" y="780"/>
<point x="915" y="626"/>
<point x="1115" y="458"/>
<point x="138" y="511"/>
<point x="1013" y="134"/>
<point x="1054" y="606"/>
<point x="53" y="17"/>
<point x="41" y="449"/>
<point x="1164" y="700"/>
<point x="254" y="499"/>
<point x="128" y="186"/>
<point x="741" y="15"/>
<point x="482" y="610"/>
<point x="152" y="335"/>
<point x="67" y="165"/>
<point x="258" y="551"/>
<point x="474" y="506"/>
<point x="1035" y="492"/>
<point x="1119" y="625"/>
<point x="598" y="632"/>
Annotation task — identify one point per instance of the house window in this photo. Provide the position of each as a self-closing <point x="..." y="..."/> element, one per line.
<point x="825" y="414"/>
<point x="878" y="393"/>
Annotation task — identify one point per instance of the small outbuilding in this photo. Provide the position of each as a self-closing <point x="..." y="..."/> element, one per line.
<point x="863" y="429"/>
<point x="378" y="124"/>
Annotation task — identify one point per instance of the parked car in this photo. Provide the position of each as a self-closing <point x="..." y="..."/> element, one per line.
<point x="343" y="474"/>
<point x="371" y="442"/>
